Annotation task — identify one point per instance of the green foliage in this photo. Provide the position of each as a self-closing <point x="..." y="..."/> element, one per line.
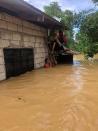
<point x="95" y="1"/>
<point x="53" y="10"/>
<point x="83" y="42"/>
<point x="87" y="37"/>
<point x="79" y="17"/>
<point x="84" y="45"/>
<point x="66" y="17"/>
<point x="90" y="27"/>
<point x="86" y="21"/>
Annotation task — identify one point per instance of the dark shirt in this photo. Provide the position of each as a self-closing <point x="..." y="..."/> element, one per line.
<point x="62" y="39"/>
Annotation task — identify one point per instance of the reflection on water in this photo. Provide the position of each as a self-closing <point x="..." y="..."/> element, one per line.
<point x="64" y="98"/>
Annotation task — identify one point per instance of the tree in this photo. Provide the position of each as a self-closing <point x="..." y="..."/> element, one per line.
<point x="53" y="10"/>
<point x="88" y="35"/>
<point x="90" y="27"/>
<point x="79" y="17"/>
<point x="66" y="17"/>
<point x="95" y="1"/>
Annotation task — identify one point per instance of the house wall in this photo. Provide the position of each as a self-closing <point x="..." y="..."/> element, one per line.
<point x="18" y="33"/>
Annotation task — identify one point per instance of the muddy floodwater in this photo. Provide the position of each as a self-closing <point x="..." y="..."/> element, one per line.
<point x="64" y="98"/>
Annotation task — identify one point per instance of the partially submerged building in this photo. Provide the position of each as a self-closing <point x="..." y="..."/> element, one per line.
<point x="23" y="37"/>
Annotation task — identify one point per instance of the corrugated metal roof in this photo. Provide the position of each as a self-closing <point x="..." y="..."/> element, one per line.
<point x="28" y="12"/>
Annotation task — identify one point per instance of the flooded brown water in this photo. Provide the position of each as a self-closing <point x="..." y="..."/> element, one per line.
<point x="64" y="98"/>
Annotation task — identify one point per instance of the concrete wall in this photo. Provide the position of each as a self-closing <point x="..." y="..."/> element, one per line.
<point x="18" y="33"/>
<point x="2" y="66"/>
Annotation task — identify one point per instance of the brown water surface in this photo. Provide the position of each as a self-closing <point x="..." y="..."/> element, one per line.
<point x="64" y="98"/>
